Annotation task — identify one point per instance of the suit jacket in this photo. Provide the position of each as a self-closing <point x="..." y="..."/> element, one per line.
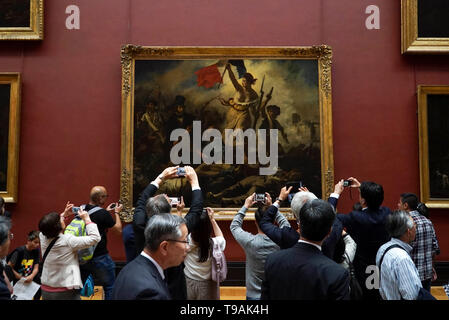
<point x="175" y="275"/>
<point x="287" y="237"/>
<point x="303" y="272"/>
<point x="140" y="280"/>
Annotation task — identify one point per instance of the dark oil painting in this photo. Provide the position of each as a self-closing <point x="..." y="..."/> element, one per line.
<point x="4" y="133"/>
<point x="171" y="94"/>
<point x="438" y="140"/>
<point x="14" y="13"/>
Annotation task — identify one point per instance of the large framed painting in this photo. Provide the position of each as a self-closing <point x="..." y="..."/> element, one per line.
<point x="433" y="120"/>
<point x="21" y="19"/>
<point x="9" y="135"/>
<point x="249" y="120"/>
<point x="425" y="26"/>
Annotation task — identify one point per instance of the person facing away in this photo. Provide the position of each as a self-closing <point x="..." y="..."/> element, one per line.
<point x="101" y="265"/>
<point x="198" y="263"/>
<point x="24" y="260"/>
<point x="3" y="211"/>
<point x="303" y="272"/>
<point x="148" y="205"/>
<point x="166" y="246"/>
<point x="61" y="276"/>
<point x="256" y="246"/>
<point x="287" y="236"/>
<point x="367" y="228"/>
<point x="399" y="278"/>
<point x="425" y="246"/>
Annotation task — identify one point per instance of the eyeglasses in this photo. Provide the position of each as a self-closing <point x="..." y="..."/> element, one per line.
<point x="182" y="241"/>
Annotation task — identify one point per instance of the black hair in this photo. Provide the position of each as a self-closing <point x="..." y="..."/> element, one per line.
<point x="411" y="199"/>
<point x="315" y="219"/>
<point x="373" y="194"/>
<point x="50" y="225"/>
<point x="201" y="236"/>
<point x="33" y="235"/>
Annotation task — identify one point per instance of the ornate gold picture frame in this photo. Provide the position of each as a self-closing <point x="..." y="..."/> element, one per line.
<point x="412" y="38"/>
<point x="22" y="20"/>
<point x="9" y="135"/>
<point x="164" y="86"/>
<point x="433" y="121"/>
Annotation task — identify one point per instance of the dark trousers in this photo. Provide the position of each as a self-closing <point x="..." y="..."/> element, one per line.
<point x="426" y="284"/>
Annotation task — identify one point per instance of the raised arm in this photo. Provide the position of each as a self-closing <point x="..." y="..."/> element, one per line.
<point x="193" y="216"/>
<point x="241" y="236"/>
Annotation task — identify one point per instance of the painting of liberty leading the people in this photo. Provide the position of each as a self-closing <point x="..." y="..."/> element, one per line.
<point x="245" y="94"/>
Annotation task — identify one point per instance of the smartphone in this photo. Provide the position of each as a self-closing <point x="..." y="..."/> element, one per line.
<point x="174" y="201"/>
<point x="113" y="206"/>
<point x="259" y="197"/>
<point x="295" y="184"/>
<point x="181" y="172"/>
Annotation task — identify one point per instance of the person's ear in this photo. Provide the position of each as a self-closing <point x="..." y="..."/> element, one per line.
<point x="163" y="248"/>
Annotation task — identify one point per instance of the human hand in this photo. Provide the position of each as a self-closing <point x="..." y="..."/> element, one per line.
<point x="191" y="176"/>
<point x="355" y="183"/>
<point x="249" y="202"/>
<point x="68" y="210"/>
<point x="339" y="187"/>
<point x="303" y="189"/>
<point x="180" y="206"/>
<point x="268" y="200"/>
<point x="169" y="173"/>
<point x="84" y="215"/>
<point x="28" y="279"/>
<point x="284" y="193"/>
<point x="210" y="213"/>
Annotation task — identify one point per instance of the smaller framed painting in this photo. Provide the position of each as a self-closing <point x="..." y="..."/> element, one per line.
<point x="433" y="120"/>
<point x="9" y="135"/>
<point x="21" y="19"/>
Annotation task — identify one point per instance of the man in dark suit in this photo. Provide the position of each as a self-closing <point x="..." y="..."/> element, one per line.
<point x="166" y="246"/>
<point x="303" y="272"/>
<point x="367" y="228"/>
<point x="287" y="237"/>
<point x="149" y="205"/>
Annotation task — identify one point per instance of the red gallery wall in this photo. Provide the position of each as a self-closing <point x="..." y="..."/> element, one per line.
<point x="71" y="92"/>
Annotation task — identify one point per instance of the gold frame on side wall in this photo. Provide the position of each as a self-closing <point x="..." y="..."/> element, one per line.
<point x="132" y="53"/>
<point x="14" y="80"/>
<point x="410" y="42"/>
<point x="423" y="124"/>
<point x="35" y="31"/>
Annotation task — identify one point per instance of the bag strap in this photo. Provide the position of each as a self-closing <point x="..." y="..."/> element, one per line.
<point x="48" y="250"/>
<point x="383" y="255"/>
<point x="94" y="209"/>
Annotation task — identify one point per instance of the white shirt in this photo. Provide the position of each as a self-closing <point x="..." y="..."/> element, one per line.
<point x="200" y="270"/>
<point x="161" y="271"/>
<point x="313" y="244"/>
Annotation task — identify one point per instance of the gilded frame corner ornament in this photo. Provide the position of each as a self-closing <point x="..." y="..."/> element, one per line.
<point x="130" y="53"/>
<point x="411" y="43"/>
<point x="35" y="31"/>
<point x="428" y="178"/>
<point x="13" y="134"/>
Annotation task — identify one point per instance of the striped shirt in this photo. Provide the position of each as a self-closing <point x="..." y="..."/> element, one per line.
<point x="424" y="246"/>
<point x="399" y="278"/>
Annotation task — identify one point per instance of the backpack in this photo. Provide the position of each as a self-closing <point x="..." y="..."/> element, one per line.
<point x="219" y="267"/>
<point x="77" y="227"/>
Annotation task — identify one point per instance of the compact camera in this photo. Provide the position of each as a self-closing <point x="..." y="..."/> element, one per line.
<point x="259" y="197"/>
<point x="174" y="201"/>
<point x="75" y="210"/>
<point x="181" y="172"/>
<point x="347" y="183"/>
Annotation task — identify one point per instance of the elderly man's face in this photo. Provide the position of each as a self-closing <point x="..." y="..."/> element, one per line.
<point x="178" y="249"/>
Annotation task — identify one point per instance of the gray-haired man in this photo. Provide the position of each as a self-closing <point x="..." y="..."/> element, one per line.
<point x="166" y="246"/>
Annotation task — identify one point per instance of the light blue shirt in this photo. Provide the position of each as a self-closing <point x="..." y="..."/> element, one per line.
<point x="399" y="278"/>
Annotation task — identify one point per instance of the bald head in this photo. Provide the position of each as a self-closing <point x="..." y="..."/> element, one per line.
<point x="98" y="195"/>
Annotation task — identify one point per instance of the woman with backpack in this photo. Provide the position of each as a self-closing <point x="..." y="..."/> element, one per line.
<point x="61" y="278"/>
<point x="198" y="262"/>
